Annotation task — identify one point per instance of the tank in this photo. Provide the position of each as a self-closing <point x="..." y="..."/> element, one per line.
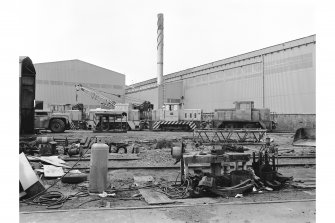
<point x="98" y="168"/>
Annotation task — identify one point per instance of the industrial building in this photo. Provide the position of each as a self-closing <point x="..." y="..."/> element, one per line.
<point x="55" y="83"/>
<point x="280" y="77"/>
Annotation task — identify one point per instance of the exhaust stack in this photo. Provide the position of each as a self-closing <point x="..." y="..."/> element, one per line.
<point x="160" y="45"/>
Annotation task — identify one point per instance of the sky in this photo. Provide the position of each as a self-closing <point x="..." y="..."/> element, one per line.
<point x="121" y="35"/>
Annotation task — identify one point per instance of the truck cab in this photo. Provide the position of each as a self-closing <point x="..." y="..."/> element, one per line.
<point x="56" y="122"/>
<point x="175" y="112"/>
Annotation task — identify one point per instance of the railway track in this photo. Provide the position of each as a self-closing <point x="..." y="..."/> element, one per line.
<point x="132" y="164"/>
<point x="132" y="158"/>
<point x="190" y="167"/>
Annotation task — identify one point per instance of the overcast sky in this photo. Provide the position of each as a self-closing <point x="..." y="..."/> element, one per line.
<point x="121" y="35"/>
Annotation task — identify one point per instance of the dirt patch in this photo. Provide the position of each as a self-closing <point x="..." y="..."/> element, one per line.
<point x="189" y="214"/>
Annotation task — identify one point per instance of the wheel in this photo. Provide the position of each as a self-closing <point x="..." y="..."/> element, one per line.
<point x="121" y="150"/>
<point x="57" y="126"/>
<point x="105" y="126"/>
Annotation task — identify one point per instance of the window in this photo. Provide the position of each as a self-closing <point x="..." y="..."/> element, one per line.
<point x="190" y="115"/>
<point x="41" y="113"/>
<point x="185" y="115"/>
<point x="195" y="115"/>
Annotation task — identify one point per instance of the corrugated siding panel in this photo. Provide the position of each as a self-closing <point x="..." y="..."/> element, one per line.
<point x="56" y="82"/>
<point x="290" y="80"/>
<point x="173" y="90"/>
<point x="222" y="88"/>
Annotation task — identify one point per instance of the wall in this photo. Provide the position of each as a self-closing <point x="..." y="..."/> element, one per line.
<point x="292" y="122"/>
<point x="55" y="82"/>
<point x="280" y="77"/>
<point x="290" y="83"/>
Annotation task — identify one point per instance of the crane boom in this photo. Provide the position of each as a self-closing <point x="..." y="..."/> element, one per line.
<point x="96" y="96"/>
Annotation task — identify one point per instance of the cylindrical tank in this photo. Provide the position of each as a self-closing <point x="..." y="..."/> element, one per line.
<point x="44" y="139"/>
<point x="98" y="168"/>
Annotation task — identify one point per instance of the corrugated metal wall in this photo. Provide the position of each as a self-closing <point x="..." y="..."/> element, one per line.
<point x="289" y="80"/>
<point x="221" y="87"/>
<point x="281" y="77"/>
<point x="173" y="92"/>
<point x="55" y="82"/>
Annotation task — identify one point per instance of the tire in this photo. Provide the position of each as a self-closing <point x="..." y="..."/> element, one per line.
<point x="124" y="149"/>
<point x="57" y="126"/>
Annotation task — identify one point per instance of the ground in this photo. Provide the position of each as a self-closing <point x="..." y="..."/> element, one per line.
<point x="149" y="155"/>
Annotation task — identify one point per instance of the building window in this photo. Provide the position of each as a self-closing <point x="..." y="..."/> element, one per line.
<point x="195" y="115"/>
<point x="190" y="115"/>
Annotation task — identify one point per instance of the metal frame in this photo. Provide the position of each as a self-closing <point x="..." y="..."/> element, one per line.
<point x="238" y="136"/>
<point x="117" y="118"/>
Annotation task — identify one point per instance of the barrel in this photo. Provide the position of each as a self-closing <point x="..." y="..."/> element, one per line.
<point x="98" y="168"/>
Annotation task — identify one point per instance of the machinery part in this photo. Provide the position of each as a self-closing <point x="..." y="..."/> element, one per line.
<point x="112" y="149"/>
<point x="57" y="125"/>
<point x="75" y="149"/>
<point x="27" y="148"/>
<point x="74" y="178"/>
<point x="48" y="149"/>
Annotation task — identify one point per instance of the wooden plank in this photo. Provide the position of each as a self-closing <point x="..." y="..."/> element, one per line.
<point x="154" y="197"/>
<point x="52" y="161"/>
<point x="110" y="157"/>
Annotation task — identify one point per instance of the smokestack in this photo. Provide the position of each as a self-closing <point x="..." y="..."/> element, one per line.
<point x="160" y="45"/>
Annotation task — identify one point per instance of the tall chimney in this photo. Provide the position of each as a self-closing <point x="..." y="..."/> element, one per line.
<point x="160" y="45"/>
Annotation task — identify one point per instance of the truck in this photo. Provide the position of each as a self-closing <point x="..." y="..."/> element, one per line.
<point x="56" y="122"/>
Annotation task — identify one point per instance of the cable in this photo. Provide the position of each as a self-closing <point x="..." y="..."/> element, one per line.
<point x="43" y="198"/>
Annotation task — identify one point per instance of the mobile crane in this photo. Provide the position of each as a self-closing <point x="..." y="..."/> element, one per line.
<point x="130" y="116"/>
<point x="97" y="96"/>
